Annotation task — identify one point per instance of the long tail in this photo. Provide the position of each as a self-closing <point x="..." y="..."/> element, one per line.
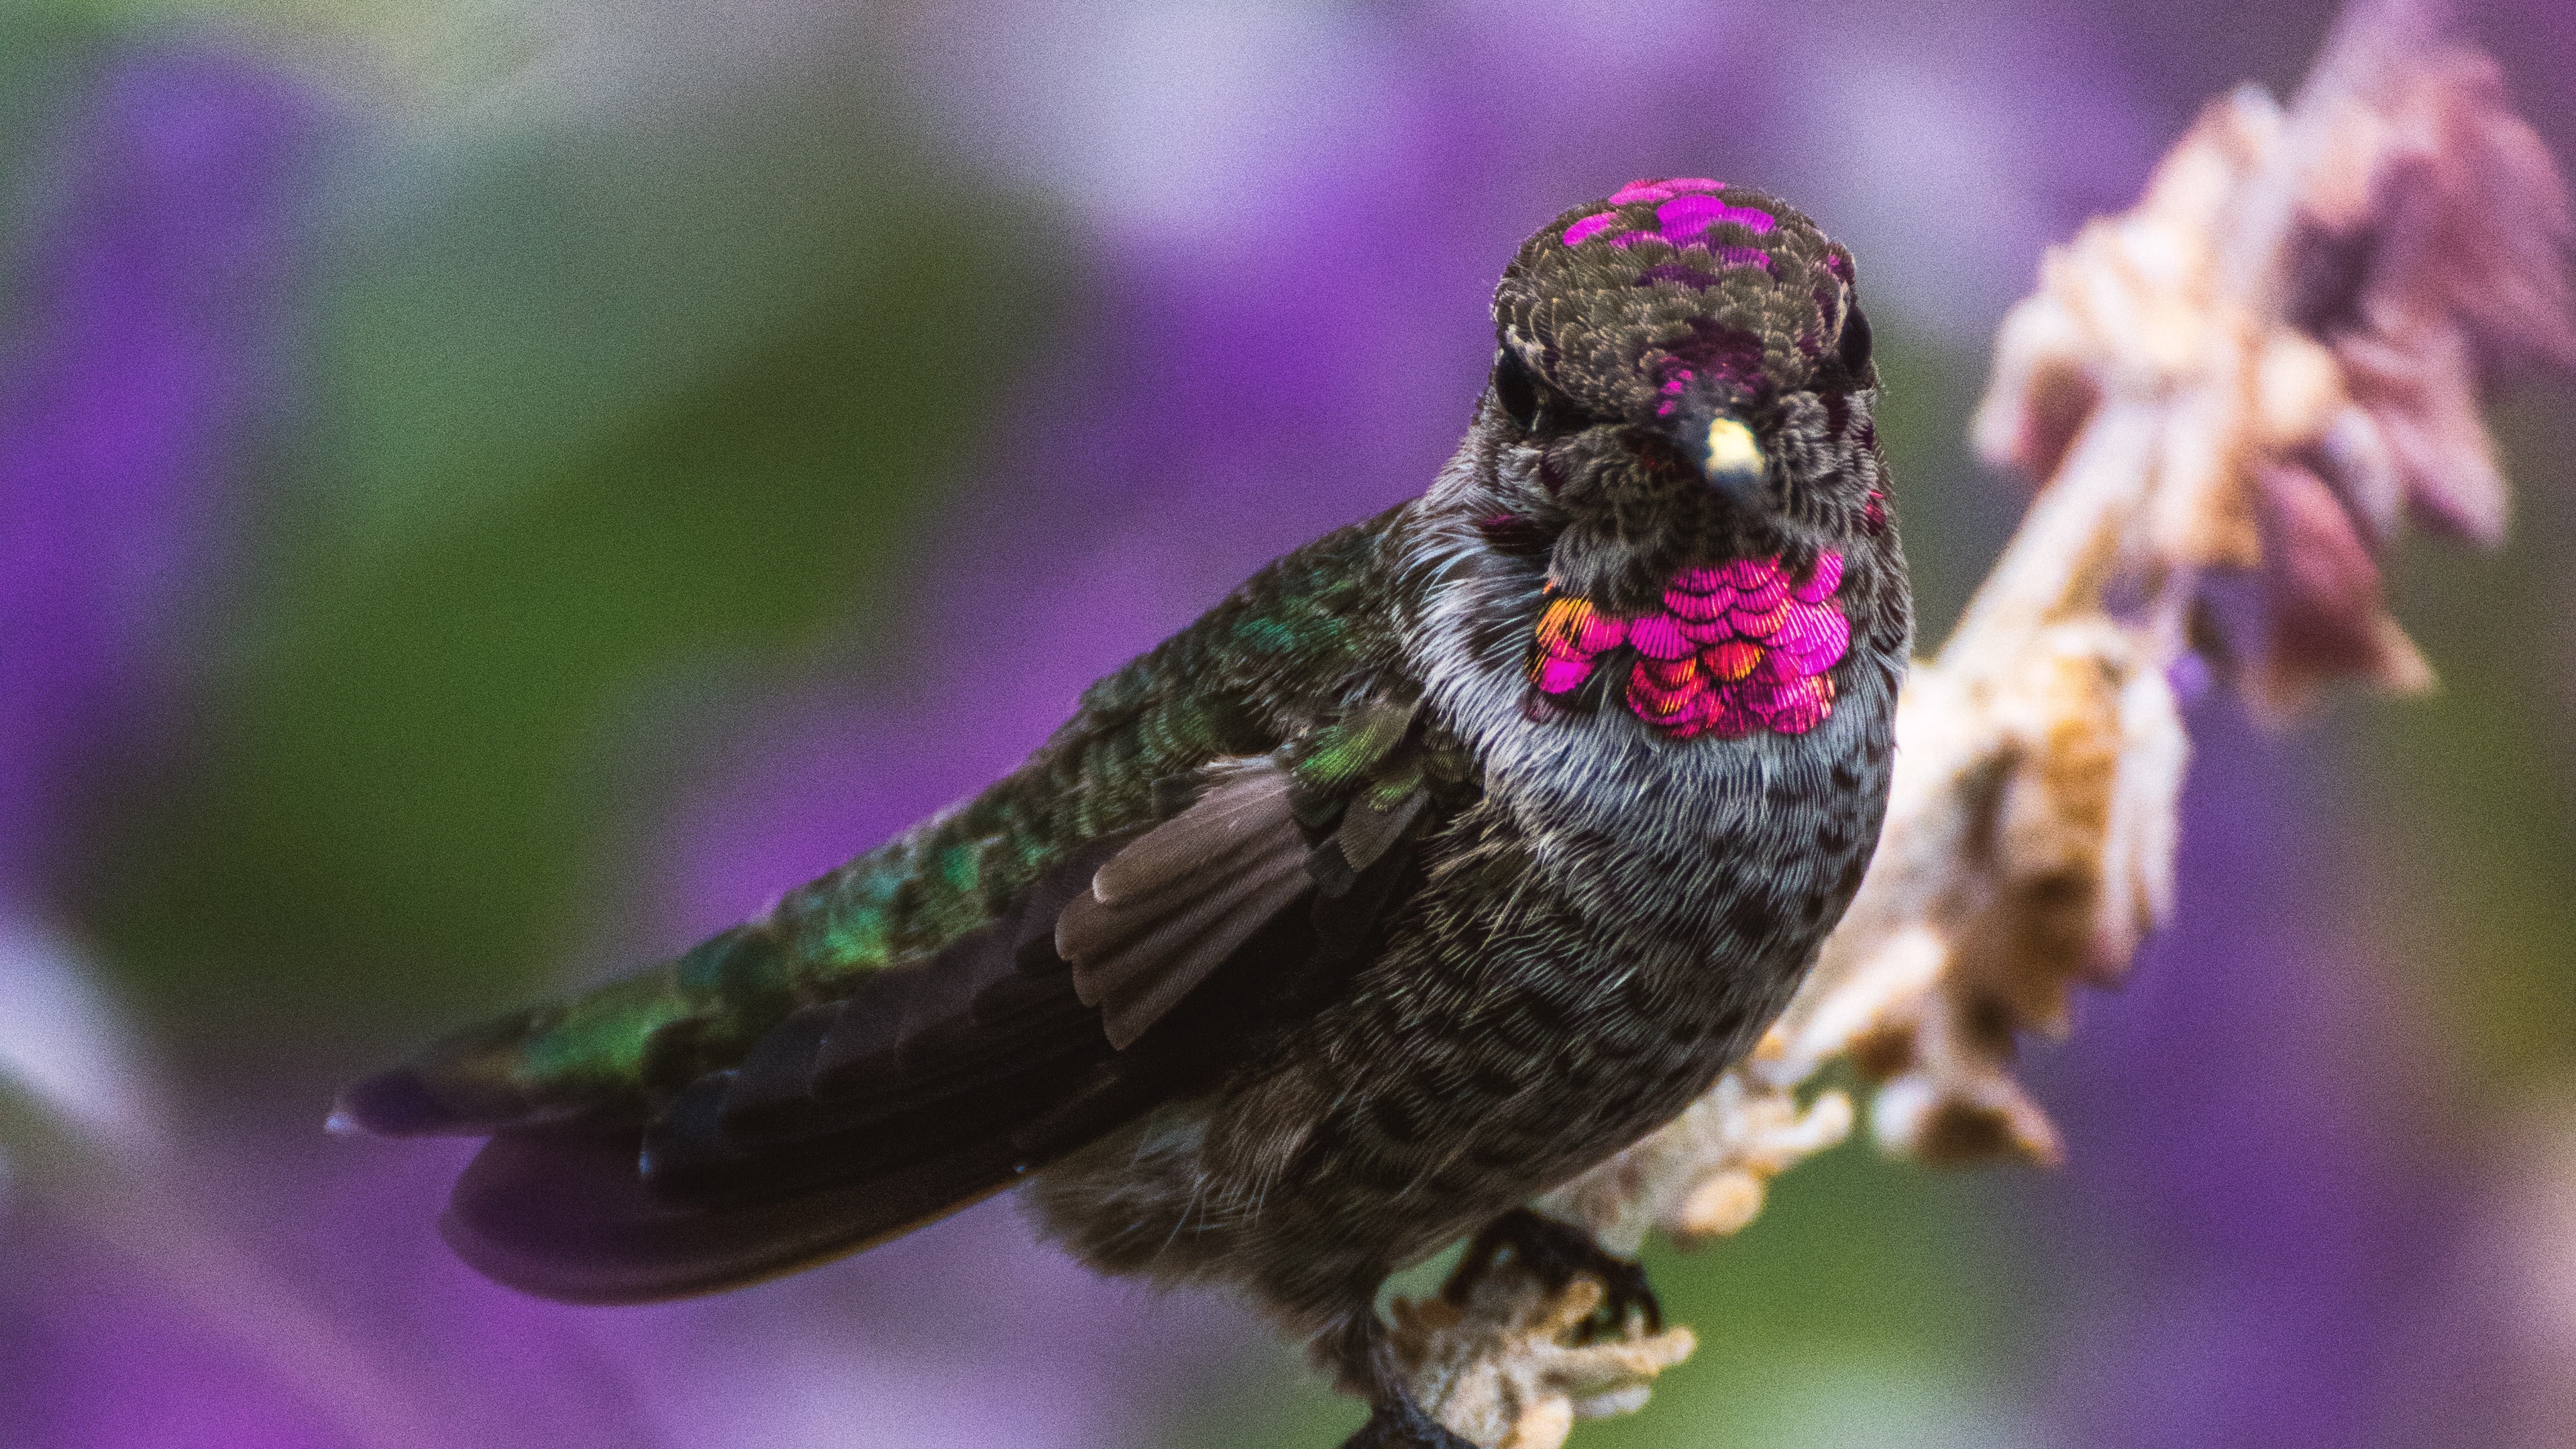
<point x="563" y="1213"/>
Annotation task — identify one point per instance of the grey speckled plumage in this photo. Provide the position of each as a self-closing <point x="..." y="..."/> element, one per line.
<point x="1337" y="927"/>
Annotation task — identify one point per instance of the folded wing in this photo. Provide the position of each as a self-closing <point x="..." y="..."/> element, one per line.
<point x="945" y="1079"/>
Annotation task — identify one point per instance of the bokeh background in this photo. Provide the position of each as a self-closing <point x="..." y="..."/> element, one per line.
<point x="491" y="490"/>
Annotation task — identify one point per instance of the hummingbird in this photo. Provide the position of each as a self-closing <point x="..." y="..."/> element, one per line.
<point x="1448" y="855"/>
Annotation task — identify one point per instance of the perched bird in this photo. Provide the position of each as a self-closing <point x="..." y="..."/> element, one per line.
<point x="1450" y="854"/>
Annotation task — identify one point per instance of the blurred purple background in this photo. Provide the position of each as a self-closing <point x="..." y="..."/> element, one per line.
<point x="488" y="494"/>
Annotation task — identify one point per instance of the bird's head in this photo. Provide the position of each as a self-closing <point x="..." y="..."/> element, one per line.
<point x="1681" y="397"/>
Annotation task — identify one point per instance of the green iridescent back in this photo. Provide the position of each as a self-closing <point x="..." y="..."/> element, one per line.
<point x="1240" y="681"/>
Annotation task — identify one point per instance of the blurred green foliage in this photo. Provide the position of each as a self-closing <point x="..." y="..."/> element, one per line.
<point x="2469" y="795"/>
<point x="45" y="56"/>
<point x="1955" y="516"/>
<point x="589" y="404"/>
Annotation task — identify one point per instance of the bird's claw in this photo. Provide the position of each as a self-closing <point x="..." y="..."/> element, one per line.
<point x="1402" y="1424"/>
<point x="1556" y="1254"/>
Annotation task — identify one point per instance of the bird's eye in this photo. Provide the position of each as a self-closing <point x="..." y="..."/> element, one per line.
<point x="1532" y="404"/>
<point x="1558" y="413"/>
<point x="1854" y="348"/>
<point x="1515" y="389"/>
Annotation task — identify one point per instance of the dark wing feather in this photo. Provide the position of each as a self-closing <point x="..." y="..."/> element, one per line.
<point x="562" y="1213"/>
<point x="1158" y="970"/>
<point x="941" y="1081"/>
<point x="1367" y="830"/>
<point x="1246" y="811"/>
<point x="1165" y="912"/>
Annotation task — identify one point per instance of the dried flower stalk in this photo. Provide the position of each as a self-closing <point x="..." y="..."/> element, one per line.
<point x="2234" y="395"/>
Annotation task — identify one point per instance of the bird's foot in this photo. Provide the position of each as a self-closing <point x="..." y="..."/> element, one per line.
<point x="1401" y="1424"/>
<point x="1365" y="1361"/>
<point x="1556" y="1253"/>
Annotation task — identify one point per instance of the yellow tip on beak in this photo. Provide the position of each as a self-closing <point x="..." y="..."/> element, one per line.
<point x="1733" y="461"/>
<point x="1731" y="448"/>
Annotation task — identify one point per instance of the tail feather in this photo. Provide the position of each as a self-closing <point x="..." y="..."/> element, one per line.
<point x="462" y="1084"/>
<point x="561" y="1212"/>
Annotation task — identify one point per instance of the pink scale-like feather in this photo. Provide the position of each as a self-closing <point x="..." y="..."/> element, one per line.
<point x="1562" y="676"/>
<point x="1759" y="623"/>
<point x="1563" y="649"/>
<point x="1734" y="659"/>
<point x="1773" y="590"/>
<point x="1699" y="608"/>
<point x="1662" y="188"/>
<point x="1657" y="704"/>
<point x="1657" y="637"/>
<point x="1727" y="718"/>
<point x="1707" y="632"/>
<point x="1671" y="673"/>
<point x="1662" y="713"/>
<point x="1760" y="696"/>
<point x="1745" y="573"/>
<point x="1800" y="665"/>
<point x="1798" y="708"/>
<point x="1828" y="576"/>
<point x="1688" y="218"/>
<point x="1601" y="633"/>
<point x="1816" y="634"/>
<point x="1589" y="227"/>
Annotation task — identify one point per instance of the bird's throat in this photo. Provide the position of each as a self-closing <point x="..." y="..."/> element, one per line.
<point x="1729" y="649"/>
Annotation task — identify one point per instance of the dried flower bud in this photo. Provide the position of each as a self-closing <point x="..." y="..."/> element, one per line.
<point x="2285" y="341"/>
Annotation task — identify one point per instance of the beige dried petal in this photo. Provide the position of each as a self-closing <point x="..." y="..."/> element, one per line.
<point x="2298" y="391"/>
<point x="2051" y="826"/>
<point x="1742" y="1131"/>
<point x="2031" y="424"/>
<point x="2144" y="831"/>
<point x="1883" y="991"/>
<point x="1943" y="1125"/>
<point x="1723" y="1203"/>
